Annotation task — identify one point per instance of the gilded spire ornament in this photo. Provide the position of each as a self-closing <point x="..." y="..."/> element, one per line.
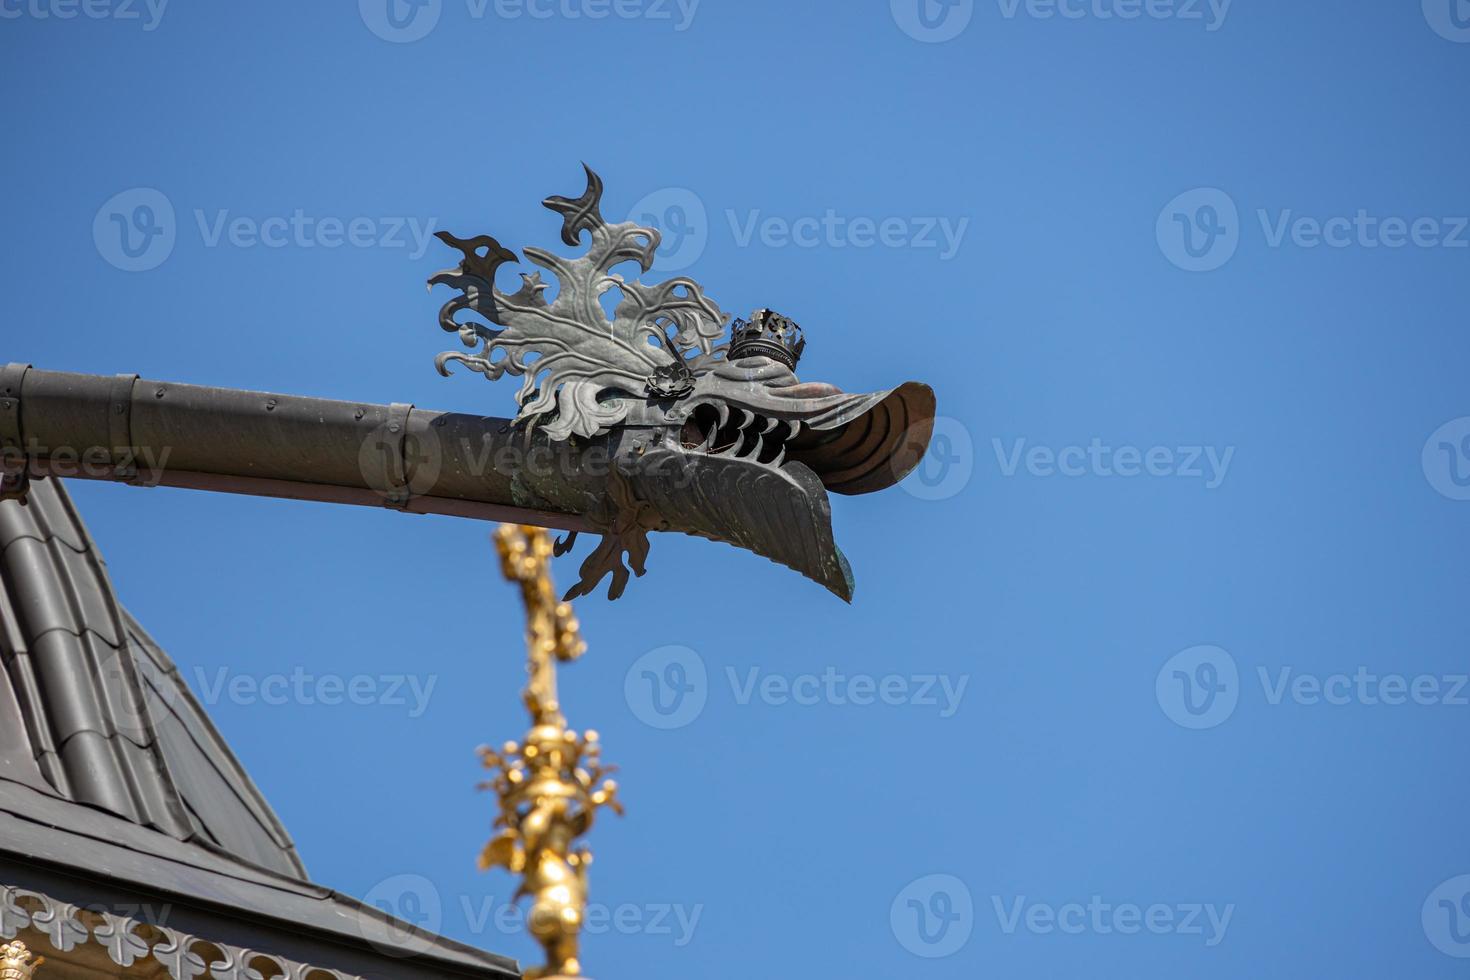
<point x="17" y="962"/>
<point x="550" y="785"/>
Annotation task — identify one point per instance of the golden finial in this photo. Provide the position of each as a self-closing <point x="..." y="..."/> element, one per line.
<point x="17" y="962"/>
<point x="545" y="783"/>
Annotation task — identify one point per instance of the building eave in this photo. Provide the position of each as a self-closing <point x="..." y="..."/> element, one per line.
<point x="84" y="856"/>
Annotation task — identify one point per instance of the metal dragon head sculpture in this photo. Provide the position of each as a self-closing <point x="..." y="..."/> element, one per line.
<point x="719" y="440"/>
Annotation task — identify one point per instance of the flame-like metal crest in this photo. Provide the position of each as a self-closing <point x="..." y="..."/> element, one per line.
<point x="583" y="371"/>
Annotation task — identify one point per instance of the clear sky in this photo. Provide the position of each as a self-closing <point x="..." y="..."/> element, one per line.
<point x="1156" y="669"/>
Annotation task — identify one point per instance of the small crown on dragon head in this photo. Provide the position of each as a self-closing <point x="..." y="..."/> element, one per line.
<point x="767" y="334"/>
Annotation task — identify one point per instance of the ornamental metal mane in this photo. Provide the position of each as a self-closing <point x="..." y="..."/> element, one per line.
<point x="717" y="440"/>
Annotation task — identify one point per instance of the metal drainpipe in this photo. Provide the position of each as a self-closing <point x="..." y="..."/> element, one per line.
<point x="155" y="433"/>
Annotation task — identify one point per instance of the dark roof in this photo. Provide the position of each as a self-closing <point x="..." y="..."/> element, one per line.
<point x="94" y="707"/>
<point x="109" y="762"/>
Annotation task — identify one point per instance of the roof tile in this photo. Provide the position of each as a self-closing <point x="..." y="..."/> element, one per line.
<point x="67" y="680"/>
<point x="74" y="595"/>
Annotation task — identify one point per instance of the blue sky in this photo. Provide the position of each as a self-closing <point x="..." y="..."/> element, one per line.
<point x="1153" y="670"/>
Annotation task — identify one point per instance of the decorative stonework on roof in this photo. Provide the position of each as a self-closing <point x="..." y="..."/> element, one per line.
<point x="127" y="942"/>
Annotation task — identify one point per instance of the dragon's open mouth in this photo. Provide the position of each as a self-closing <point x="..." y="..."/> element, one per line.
<point x="726" y="430"/>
